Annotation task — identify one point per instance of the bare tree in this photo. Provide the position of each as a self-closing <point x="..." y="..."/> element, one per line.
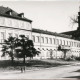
<point x="74" y="20"/>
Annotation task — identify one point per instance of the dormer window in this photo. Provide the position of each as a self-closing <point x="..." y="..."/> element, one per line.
<point x="21" y="15"/>
<point x="9" y="12"/>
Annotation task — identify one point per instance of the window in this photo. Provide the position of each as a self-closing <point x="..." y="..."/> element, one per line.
<point x="72" y="43"/>
<point x="10" y="34"/>
<point x="79" y="44"/>
<point x="50" y="40"/>
<point x="2" y="21"/>
<point x="75" y="44"/>
<point x="63" y="42"/>
<point x="57" y="42"/>
<point x="33" y="38"/>
<point x="16" y="24"/>
<point x="16" y="35"/>
<point x="2" y="37"/>
<point x="22" y="24"/>
<point x="37" y="38"/>
<point x="27" y="36"/>
<point x="60" y="42"/>
<point x="46" y="40"/>
<point x="53" y="41"/>
<point x="67" y="42"/>
<point x="42" y="40"/>
<point x="9" y="22"/>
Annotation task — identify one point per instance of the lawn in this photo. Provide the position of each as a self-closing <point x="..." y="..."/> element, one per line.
<point x="32" y="64"/>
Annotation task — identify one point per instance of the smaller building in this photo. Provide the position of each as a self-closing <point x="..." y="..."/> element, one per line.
<point x="48" y="42"/>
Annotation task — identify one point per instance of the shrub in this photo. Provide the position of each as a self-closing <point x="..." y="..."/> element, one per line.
<point x="77" y="58"/>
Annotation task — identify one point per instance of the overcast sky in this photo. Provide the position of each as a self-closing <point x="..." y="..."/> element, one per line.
<point x="48" y="15"/>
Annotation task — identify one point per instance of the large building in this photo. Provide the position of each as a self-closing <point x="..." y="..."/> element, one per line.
<point x="14" y="24"/>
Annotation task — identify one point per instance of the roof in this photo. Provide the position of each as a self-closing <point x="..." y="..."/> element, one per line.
<point x="69" y="32"/>
<point x="75" y="34"/>
<point x="15" y="15"/>
<point x="50" y="33"/>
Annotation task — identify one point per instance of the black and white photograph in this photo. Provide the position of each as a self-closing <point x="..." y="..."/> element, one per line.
<point x="40" y="39"/>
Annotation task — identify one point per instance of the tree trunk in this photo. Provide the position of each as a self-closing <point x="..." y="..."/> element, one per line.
<point x="64" y="55"/>
<point x="12" y="60"/>
<point x="24" y="60"/>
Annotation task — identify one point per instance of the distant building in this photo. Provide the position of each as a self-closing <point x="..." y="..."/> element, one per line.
<point x="14" y="24"/>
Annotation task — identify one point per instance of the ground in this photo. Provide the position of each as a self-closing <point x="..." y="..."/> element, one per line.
<point x="59" y="72"/>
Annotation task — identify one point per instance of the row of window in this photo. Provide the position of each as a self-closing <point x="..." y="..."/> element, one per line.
<point x="55" y="41"/>
<point x="3" y="36"/>
<point x="14" y="23"/>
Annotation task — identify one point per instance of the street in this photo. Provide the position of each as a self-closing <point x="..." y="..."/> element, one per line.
<point x="59" y="72"/>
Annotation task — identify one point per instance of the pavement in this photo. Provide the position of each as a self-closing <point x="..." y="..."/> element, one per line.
<point x="61" y="72"/>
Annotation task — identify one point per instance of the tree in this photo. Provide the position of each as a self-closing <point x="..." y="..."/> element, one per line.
<point x="25" y="48"/>
<point x="63" y="50"/>
<point x="20" y="47"/>
<point x="74" y="19"/>
<point x="9" y="47"/>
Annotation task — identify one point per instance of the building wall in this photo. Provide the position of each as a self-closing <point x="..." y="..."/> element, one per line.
<point x="51" y="47"/>
<point x="13" y="27"/>
<point x="45" y="43"/>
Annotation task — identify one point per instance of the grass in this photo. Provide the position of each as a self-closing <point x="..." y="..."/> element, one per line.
<point x="31" y="64"/>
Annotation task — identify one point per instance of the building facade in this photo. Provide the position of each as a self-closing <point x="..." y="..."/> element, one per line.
<point x="14" y="24"/>
<point x="48" y="43"/>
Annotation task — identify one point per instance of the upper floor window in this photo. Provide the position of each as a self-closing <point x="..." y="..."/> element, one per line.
<point x="57" y="41"/>
<point x="75" y="44"/>
<point x="63" y="42"/>
<point x="72" y="43"/>
<point x="37" y="38"/>
<point x="2" y="21"/>
<point x="50" y="40"/>
<point x="42" y="40"/>
<point x="9" y="22"/>
<point x="46" y="39"/>
<point x="16" y="23"/>
<point x="60" y="42"/>
<point x="79" y="44"/>
<point x="22" y="24"/>
<point x="53" y="40"/>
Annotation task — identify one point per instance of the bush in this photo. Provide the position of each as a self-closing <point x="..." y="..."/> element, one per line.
<point x="77" y="58"/>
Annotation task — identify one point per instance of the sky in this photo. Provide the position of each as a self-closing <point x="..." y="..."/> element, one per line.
<point x="48" y="15"/>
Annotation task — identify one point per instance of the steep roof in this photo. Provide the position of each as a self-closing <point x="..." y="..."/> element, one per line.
<point x="50" y="33"/>
<point x="15" y="15"/>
